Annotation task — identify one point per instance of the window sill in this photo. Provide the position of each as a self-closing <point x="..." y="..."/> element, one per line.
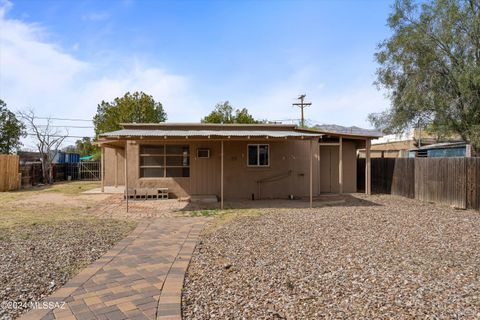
<point x="160" y="178"/>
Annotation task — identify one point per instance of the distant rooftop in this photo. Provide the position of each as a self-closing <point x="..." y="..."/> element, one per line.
<point x="442" y="145"/>
<point x="335" y="128"/>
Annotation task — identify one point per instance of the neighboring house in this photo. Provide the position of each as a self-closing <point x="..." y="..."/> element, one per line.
<point x="232" y="161"/>
<point x="445" y="149"/>
<point x="28" y="157"/>
<point x="60" y="157"/>
<point x="414" y="143"/>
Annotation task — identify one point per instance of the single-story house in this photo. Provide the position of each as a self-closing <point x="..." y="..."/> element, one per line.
<point x="444" y="149"/>
<point x="232" y="161"/>
<point x="415" y="143"/>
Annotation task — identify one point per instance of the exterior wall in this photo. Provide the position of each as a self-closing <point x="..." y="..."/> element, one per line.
<point x="396" y="149"/>
<point x="287" y="174"/>
<point x="113" y="159"/>
<point x="329" y="178"/>
<point x="349" y="167"/>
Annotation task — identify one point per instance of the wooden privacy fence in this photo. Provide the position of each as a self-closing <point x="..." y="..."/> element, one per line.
<point x="9" y="172"/>
<point x="451" y="181"/>
<point x="14" y="176"/>
<point x="31" y="174"/>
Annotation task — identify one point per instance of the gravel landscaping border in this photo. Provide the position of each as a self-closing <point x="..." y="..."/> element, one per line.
<point x="37" y="259"/>
<point x="373" y="257"/>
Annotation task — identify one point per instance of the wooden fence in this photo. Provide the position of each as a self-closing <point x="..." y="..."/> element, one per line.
<point x="31" y="174"/>
<point x="9" y="175"/>
<point x="451" y="181"/>
<point x="14" y="176"/>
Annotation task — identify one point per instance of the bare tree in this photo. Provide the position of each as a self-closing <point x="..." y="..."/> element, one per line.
<point x="48" y="141"/>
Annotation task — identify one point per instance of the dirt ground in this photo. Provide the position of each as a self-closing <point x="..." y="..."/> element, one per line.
<point x="47" y="204"/>
<point x="377" y="257"/>
<point x="46" y="237"/>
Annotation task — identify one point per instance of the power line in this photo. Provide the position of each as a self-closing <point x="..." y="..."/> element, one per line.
<point x="66" y="126"/>
<point x="60" y="136"/>
<point x="302" y="105"/>
<point x="63" y="119"/>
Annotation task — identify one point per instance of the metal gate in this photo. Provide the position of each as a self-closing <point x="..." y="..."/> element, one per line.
<point x="89" y="170"/>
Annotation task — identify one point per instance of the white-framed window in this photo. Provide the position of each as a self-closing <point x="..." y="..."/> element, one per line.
<point x="164" y="160"/>
<point x="258" y="155"/>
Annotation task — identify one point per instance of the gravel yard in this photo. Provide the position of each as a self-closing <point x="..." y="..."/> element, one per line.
<point x="375" y="257"/>
<point x="38" y="259"/>
<point x="46" y="238"/>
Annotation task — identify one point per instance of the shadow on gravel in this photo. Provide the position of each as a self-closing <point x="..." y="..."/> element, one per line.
<point x="330" y="200"/>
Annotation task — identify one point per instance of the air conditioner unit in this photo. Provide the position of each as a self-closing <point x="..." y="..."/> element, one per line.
<point x="203" y="153"/>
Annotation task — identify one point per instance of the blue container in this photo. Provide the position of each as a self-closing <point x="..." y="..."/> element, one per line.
<point x="72" y="158"/>
<point x="59" y="157"/>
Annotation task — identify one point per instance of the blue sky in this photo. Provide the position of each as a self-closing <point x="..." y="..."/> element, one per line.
<point x="63" y="57"/>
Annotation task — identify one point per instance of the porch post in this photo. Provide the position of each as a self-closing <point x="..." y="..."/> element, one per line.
<point x="126" y="174"/>
<point x="102" y="167"/>
<point x="116" y="167"/>
<point x="311" y="173"/>
<point x="340" y="166"/>
<point x="368" y="168"/>
<point x="221" y="178"/>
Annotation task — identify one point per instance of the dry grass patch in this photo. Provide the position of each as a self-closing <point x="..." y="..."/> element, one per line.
<point x="49" y="204"/>
<point x="223" y="217"/>
<point x="46" y="238"/>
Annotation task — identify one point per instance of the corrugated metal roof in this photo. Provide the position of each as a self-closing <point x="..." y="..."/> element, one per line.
<point x="334" y="128"/>
<point x="453" y="144"/>
<point x="207" y="133"/>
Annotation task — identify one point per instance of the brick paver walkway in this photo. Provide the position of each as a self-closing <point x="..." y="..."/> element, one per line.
<point x="140" y="278"/>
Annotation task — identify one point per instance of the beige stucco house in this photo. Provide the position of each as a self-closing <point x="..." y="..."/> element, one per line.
<point x="232" y="161"/>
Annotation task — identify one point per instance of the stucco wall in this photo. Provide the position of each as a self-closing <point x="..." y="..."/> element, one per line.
<point x="287" y="174"/>
<point x="288" y="170"/>
<point x="114" y="157"/>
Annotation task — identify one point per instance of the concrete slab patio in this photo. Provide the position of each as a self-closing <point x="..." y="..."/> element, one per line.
<point x="106" y="190"/>
<point x="140" y="278"/>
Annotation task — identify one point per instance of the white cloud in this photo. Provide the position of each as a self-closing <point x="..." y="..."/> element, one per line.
<point x="30" y="67"/>
<point x="346" y="105"/>
<point x="5" y="5"/>
<point x="37" y="73"/>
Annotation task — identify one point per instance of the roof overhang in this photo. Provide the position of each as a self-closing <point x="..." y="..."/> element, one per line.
<point x="207" y="134"/>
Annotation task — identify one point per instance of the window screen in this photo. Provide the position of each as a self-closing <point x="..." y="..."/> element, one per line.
<point x="158" y="161"/>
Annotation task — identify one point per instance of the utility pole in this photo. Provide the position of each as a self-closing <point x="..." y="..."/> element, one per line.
<point x="302" y="105"/>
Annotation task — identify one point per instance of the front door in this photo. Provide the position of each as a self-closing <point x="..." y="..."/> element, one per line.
<point x="329" y="169"/>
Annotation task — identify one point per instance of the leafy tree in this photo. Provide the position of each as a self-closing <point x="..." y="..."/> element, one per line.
<point x="11" y="130"/>
<point x="430" y="67"/>
<point x="85" y="147"/>
<point x="70" y="149"/>
<point x="137" y="107"/>
<point x="224" y="113"/>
